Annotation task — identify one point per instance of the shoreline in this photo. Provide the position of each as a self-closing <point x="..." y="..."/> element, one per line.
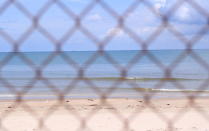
<point x="129" y="94"/>
<point x="106" y="115"/>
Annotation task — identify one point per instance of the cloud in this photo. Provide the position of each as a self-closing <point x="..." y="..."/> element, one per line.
<point x="184" y="14"/>
<point x="95" y="17"/>
<point x="146" y="29"/>
<point x="188" y="15"/>
<point x="80" y="1"/>
<point x="159" y="4"/>
<point x="118" y="32"/>
<point x="7" y="24"/>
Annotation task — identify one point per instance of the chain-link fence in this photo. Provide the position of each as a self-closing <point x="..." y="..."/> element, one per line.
<point x="102" y="89"/>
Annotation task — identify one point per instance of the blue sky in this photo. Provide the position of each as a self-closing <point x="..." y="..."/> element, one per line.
<point x="101" y="24"/>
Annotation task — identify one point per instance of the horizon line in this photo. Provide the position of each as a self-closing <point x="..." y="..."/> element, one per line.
<point x="94" y="50"/>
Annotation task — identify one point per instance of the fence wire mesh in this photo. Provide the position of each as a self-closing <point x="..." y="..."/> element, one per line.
<point x="57" y="41"/>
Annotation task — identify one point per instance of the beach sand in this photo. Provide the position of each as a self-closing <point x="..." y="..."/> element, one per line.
<point x="109" y="115"/>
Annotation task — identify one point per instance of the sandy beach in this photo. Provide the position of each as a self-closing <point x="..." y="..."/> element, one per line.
<point x="109" y="115"/>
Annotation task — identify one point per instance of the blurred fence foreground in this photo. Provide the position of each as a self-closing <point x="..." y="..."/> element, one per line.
<point x="157" y="80"/>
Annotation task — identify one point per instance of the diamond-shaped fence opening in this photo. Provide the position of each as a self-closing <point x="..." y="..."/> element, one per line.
<point x="76" y="42"/>
<point x="99" y="22"/>
<point x="144" y="28"/>
<point x="190" y="25"/>
<point x="56" y="22"/>
<point x="7" y="47"/>
<point x="14" y="23"/>
<point x="89" y="65"/>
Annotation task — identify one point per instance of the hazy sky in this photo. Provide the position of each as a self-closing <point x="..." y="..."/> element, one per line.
<point x="101" y="24"/>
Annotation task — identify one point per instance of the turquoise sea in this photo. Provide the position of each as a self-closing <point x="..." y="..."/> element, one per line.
<point x="86" y="74"/>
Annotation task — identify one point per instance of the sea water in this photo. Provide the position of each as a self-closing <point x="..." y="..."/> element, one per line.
<point x="78" y="74"/>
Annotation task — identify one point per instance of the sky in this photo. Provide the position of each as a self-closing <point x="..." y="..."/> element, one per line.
<point x="142" y="21"/>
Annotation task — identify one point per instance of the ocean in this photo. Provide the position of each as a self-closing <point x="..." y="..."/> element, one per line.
<point x="90" y="74"/>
